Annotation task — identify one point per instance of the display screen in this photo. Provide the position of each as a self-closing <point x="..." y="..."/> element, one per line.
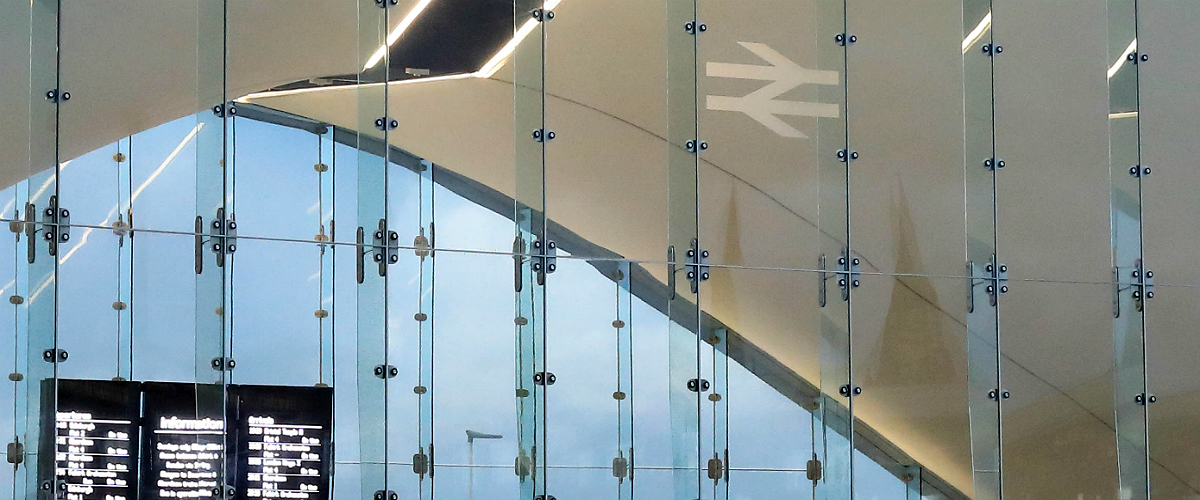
<point x="93" y="438"/>
<point x="160" y="440"/>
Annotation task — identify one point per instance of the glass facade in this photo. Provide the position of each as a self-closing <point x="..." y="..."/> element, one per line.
<point x="688" y="249"/>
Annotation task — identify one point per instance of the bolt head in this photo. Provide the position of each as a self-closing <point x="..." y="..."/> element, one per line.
<point x="838" y="38"/>
<point x="550" y="15"/>
<point x="1146" y="171"/>
<point x="1000" y="164"/>
<point x="1149" y="274"/>
<point x="1149" y="295"/>
<point x="378" y="258"/>
<point x="841" y="260"/>
<point x="987" y="163"/>
<point x="688" y="27"/>
<point x="1145" y="57"/>
<point x="855" y="283"/>
<point x="1153" y="398"/>
<point x="999" y="49"/>
<point x="1133" y="171"/>
<point x="232" y="225"/>
<point x="1003" y="269"/>
<point x="550" y="134"/>
<point x="704" y="276"/>
<point x="1131" y="57"/>
<point x="854" y="155"/>
<point x="1004" y="289"/>
<point x="551" y="267"/>
<point x="855" y="261"/>
<point x="986" y="48"/>
<point x="394" y="259"/>
<point x="703" y="145"/>
<point x="65" y="237"/>
<point x="841" y="282"/>
<point x="703" y="27"/>
<point x="853" y="38"/>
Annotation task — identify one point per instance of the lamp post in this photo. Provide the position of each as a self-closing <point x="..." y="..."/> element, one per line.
<point x="471" y="437"/>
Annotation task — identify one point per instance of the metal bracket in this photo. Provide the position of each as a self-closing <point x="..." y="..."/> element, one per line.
<point x="383" y="4"/>
<point x="846" y="391"/>
<point x="385" y="123"/>
<point x="386" y="371"/>
<point x="545" y="260"/>
<point x="56" y="95"/>
<point x="697" y="385"/>
<point x="847" y="273"/>
<point x="544" y="378"/>
<point x="693" y="28"/>
<point x="1144" y="399"/>
<point x="994" y="276"/>
<point x="422" y="245"/>
<point x="542" y="15"/>
<point x="544" y="497"/>
<point x="846" y="156"/>
<point x="523" y="465"/>
<point x="54" y="355"/>
<point x="56" y="225"/>
<point x="1142" y="285"/>
<point x="223" y="110"/>
<point x="1135" y="58"/>
<point x="812" y="470"/>
<point x="716" y="468"/>
<point x="420" y="462"/>
<point x="997" y="395"/>
<point x="518" y="249"/>
<point x="695" y="146"/>
<point x="543" y="135"/>
<point x="386" y="494"/>
<point x="842" y="39"/>
<point x="16" y="452"/>
<point x="620" y="466"/>
<point x="359" y="244"/>
<point x="30" y="230"/>
<point x="697" y="265"/>
<point x="223" y="236"/>
<point x="1139" y="170"/>
<point x="993" y="164"/>
<point x="223" y="363"/>
<point x="991" y="50"/>
<point x="385" y="247"/>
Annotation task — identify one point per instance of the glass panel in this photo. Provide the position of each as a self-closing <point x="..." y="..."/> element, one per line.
<point x="683" y="252"/>
<point x="910" y="348"/>
<point x="164" y="307"/>
<point x="1057" y="410"/>
<point x="531" y="242"/>
<point x="980" y="203"/>
<point x="477" y="429"/>
<point x="271" y="161"/>
<point x="276" y="294"/>
<point x="1126" y="220"/>
<point x="371" y="267"/>
<point x="1051" y="131"/>
<point x="606" y="177"/>
<point x="906" y="185"/>
<point x="833" y="428"/>
<point x="769" y="95"/>
<point x="761" y="355"/>
<point x="1174" y="428"/>
<point x="1167" y="114"/>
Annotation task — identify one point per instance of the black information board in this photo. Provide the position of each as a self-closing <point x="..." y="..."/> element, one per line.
<point x="283" y="441"/>
<point x="162" y="440"/>
<point x="92" y="438"/>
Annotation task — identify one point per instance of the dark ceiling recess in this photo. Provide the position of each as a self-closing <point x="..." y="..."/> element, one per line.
<point x="449" y="37"/>
<point x="453" y="36"/>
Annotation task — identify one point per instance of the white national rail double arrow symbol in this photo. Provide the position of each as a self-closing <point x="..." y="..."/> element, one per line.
<point x="761" y="104"/>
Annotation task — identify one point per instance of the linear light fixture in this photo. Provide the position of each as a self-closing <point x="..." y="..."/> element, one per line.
<point x="497" y="61"/>
<point x="1124" y="114"/>
<point x="395" y="34"/>
<point x="1121" y="60"/>
<point x="977" y="33"/>
<point x="308" y="90"/>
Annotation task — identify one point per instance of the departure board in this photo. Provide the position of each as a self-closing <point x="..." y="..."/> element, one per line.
<point x="283" y="448"/>
<point x="158" y="440"/>
<point x="93" y="438"/>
